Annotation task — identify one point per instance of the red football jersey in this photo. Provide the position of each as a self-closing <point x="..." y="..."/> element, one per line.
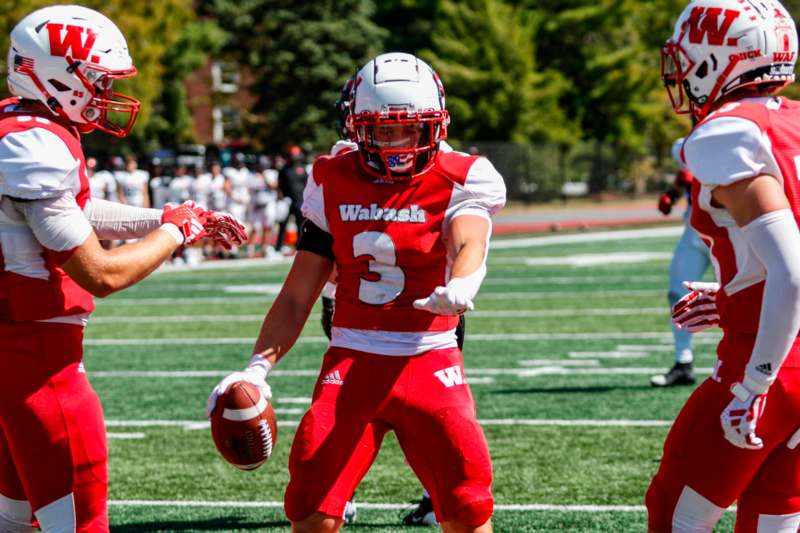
<point x="32" y="166"/>
<point x="389" y="239"/>
<point x="741" y="140"/>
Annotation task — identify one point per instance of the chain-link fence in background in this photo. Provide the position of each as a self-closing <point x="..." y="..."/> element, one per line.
<point x="543" y="172"/>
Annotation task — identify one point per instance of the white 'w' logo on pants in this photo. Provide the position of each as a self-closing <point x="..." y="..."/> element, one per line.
<point x="450" y="376"/>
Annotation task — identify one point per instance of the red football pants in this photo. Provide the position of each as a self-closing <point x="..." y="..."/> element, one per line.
<point x="425" y="400"/>
<point x="697" y="455"/>
<point x="52" y="433"/>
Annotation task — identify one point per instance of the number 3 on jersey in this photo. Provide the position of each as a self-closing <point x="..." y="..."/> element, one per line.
<point x="391" y="279"/>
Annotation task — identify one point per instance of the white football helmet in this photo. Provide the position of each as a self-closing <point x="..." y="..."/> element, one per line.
<point x="398" y="116"/>
<point x="68" y="57"/>
<point x="719" y="46"/>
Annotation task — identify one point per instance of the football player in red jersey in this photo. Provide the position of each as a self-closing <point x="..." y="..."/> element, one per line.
<point x="407" y="227"/>
<point x="62" y="64"/>
<point x="736" y="437"/>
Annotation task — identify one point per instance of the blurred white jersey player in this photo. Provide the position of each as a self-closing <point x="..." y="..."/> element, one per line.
<point x="134" y="184"/>
<point x="238" y="187"/>
<point x="690" y="260"/>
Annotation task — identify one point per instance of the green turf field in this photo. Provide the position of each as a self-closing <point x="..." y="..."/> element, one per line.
<point x="558" y="353"/>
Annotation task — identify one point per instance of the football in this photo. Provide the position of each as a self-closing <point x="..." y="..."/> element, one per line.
<point x="244" y="427"/>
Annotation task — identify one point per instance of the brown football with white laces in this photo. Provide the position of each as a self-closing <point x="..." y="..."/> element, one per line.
<point x="243" y="426"/>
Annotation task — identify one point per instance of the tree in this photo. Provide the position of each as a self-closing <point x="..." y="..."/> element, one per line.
<point x="301" y="55"/>
<point x="163" y="43"/>
<point x="484" y="50"/>
<point x="609" y="51"/>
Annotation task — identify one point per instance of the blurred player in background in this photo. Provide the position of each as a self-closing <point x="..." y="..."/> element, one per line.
<point x="689" y="262"/>
<point x="407" y="227"/>
<point x="736" y="438"/>
<point x="101" y="182"/>
<point x="53" y="451"/>
<point x="133" y="183"/>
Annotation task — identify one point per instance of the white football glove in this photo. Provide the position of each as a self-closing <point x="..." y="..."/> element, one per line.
<point x="453" y="299"/>
<point x="697" y="310"/>
<point x="255" y="374"/>
<point x="740" y="417"/>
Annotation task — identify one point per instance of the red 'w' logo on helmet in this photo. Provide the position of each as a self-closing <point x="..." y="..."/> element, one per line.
<point x="700" y="25"/>
<point x="72" y="40"/>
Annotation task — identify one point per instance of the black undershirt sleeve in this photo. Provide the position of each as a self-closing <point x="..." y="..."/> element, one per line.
<point x="315" y="240"/>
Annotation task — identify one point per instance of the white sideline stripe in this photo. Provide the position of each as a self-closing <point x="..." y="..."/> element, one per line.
<point x="480" y="381"/>
<point x="647" y="347"/>
<point x="377" y="506"/>
<point x="590" y="260"/>
<point x="608" y="355"/>
<point x="500" y="313"/>
<point x="559" y="362"/>
<point x="530" y="242"/>
<point x="187" y="299"/>
<point x="272" y="289"/>
<point x="555" y="368"/>
<point x="226" y="264"/>
<point x="289" y="411"/>
<point x="199" y="424"/>
<point x="125" y="436"/>
<point x="262" y="288"/>
<point x="580" y="422"/>
<point x="662" y="336"/>
<point x="299" y="399"/>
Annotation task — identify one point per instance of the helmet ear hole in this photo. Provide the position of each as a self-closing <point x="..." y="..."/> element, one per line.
<point x="58" y="86"/>
<point x="702" y="70"/>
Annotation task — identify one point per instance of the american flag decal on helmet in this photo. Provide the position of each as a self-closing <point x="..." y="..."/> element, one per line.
<point x="22" y="64"/>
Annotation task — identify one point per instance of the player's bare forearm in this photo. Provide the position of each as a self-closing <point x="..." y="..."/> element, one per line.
<point x="287" y="316"/>
<point x="103" y="272"/>
<point x="469" y="240"/>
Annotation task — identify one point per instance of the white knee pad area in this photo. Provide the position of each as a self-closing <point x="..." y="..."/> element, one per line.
<point x="57" y="516"/>
<point x="694" y="513"/>
<point x="787" y="523"/>
<point x="15" y="516"/>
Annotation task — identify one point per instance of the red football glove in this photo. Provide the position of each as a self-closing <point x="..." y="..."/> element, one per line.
<point x="697" y="310"/>
<point x="189" y="222"/>
<point x="684" y="178"/>
<point x="665" y="202"/>
<point x="223" y="228"/>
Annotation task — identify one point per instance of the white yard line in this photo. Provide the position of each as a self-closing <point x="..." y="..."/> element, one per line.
<point x="554" y="368"/>
<point x="592" y="260"/>
<point x="516" y="295"/>
<point x="498" y="313"/>
<point x="558" y="362"/>
<point x="126" y="436"/>
<point x="238" y="504"/>
<point x="608" y="355"/>
<point x="662" y="336"/>
<point x="200" y="424"/>
<point x="601" y="236"/>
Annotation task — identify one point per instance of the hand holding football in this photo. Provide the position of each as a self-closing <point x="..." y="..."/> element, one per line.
<point x="243" y="426"/>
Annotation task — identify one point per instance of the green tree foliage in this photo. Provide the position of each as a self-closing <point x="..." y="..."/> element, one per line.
<point x="609" y="51"/>
<point x="166" y="44"/>
<point x="410" y="23"/>
<point x="301" y="54"/>
<point x="484" y="51"/>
